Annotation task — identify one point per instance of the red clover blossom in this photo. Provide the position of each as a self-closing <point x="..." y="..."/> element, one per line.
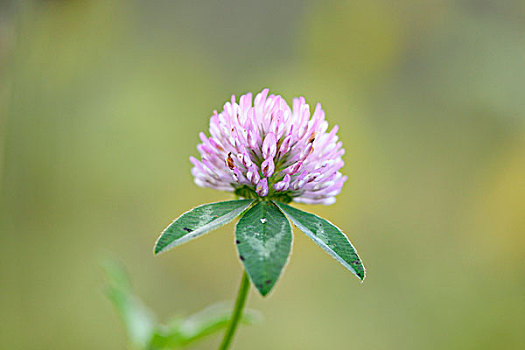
<point x="264" y="148"/>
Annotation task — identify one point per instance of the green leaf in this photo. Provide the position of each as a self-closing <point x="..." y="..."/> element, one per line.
<point x="165" y="339"/>
<point x="213" y="319"/>
<point x="199" y="221"/>
<point x="264" y="240"/>
<point x="182" y="332"/>
<point x="327" y="236"/>
<point x="138" y="320"/>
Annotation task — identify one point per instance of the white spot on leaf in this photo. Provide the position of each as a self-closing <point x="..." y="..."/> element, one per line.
<point x="319" y="232"/>
<point x="205" y="217"/>
<point x="265" y="248"/>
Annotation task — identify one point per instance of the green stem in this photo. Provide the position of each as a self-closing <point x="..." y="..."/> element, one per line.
<point x="237" y="311"/>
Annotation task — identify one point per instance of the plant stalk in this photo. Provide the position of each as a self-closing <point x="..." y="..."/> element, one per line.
<point x="242" y="295"/>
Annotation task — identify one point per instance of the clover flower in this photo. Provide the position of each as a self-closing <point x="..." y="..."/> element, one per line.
<point x="269" y="154"/>
<point x="264" y="148"/>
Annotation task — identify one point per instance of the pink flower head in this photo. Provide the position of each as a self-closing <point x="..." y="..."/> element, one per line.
<point x="264" y="148"/>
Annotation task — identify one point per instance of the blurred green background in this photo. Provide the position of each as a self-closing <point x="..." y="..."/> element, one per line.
<point x="101" y="103"/>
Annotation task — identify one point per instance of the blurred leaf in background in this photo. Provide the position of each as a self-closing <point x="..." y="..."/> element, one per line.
<point x="142" y="328"/>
